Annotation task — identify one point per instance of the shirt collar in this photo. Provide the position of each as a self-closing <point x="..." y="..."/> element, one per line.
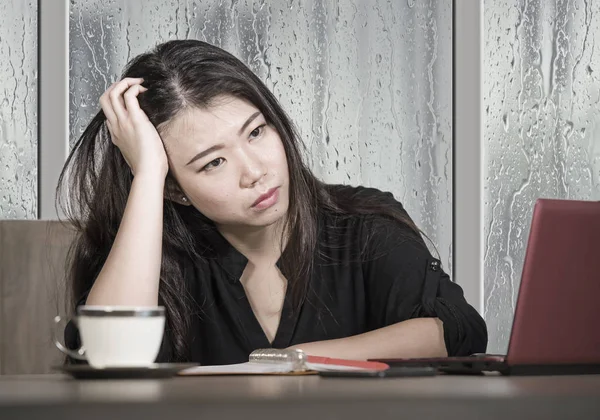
<point x="227" y="256"/>
<point x="232" y="261"/>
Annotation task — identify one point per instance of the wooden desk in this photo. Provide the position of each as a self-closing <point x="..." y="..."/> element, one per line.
<point x="302" y="398"/>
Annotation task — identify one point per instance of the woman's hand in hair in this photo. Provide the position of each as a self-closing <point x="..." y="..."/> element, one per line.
<point x="131" y="130"/>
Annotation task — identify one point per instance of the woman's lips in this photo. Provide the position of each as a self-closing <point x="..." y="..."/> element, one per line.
<point x="267" y="199"/>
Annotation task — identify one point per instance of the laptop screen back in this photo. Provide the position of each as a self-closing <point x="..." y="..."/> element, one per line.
<point x="557" y="318"/>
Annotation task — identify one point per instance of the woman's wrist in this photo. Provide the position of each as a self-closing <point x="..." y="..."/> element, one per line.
<point x="154" y="177"/>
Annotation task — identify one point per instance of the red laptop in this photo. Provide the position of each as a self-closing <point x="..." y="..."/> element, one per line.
<point x="556" y="326"/>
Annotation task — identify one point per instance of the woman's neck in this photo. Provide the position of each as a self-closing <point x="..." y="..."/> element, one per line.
<point x="259" y="244"/>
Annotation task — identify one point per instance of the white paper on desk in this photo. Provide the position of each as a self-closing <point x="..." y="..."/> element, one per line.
<point x="239" y="369"/>
<point x="257" y="368"/>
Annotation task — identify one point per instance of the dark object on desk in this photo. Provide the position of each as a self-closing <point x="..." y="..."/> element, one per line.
<point x="555" y="328"/>
<point x="394" y="372"/>
<point x="155" y="371"/>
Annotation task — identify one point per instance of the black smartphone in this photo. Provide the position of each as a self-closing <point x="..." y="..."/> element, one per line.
<point x="393" y="372"/>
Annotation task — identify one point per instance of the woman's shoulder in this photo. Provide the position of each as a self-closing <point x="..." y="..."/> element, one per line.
<point x="361" y="193"/>
<point x="373" y="211"/>
<point x="366" y="204"/>
<point x="371" y="221"/>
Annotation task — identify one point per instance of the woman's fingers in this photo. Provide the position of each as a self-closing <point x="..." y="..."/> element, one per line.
<point x="131" y="130"/>
<point x="131" y="102"/>
<point x="106" y="105"/>
<point x="116" y="96"/>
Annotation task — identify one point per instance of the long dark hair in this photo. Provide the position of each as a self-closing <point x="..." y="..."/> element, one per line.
<point x="95" y="182"/>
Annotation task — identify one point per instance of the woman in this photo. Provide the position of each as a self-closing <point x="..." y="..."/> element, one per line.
<point x="189" y="191"/>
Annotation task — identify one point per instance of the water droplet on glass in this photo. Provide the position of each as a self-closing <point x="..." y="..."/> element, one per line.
<point x="505" y="121"/>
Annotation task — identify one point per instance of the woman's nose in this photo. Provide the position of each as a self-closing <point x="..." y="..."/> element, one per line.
<point x="252" y="171"/>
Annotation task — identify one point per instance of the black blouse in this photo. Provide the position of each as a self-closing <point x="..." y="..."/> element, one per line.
<point x="369" y="272"/>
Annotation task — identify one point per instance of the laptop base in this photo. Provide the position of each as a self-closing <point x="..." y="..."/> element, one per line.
<point x="473" y="365"/>
<point x="518" y="370"/>
<point x="528" y="370"/>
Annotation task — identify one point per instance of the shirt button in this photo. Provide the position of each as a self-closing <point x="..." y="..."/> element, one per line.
<point x="434" y="265"/>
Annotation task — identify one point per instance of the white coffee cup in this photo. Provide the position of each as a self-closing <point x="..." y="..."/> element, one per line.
<point x="117" y="336"/>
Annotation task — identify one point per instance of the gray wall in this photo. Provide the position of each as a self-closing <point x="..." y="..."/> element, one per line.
<point x="18" y="109"/>
<point x="541" y="133"/>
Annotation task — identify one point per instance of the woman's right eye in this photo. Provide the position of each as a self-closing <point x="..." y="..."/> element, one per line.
<point x="213" y="164"/>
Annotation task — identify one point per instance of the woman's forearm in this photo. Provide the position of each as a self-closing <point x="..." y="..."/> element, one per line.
<point x="419" y="337"/>
<point x="130" y="275"/>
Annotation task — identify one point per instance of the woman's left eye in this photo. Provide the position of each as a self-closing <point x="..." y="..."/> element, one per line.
<point x="257" y="131"/>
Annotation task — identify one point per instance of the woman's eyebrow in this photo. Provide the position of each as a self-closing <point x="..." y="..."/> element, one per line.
<point x="248" y="121"/>
<point x="206" y="152"/>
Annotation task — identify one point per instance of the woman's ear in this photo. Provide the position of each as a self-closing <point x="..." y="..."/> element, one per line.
<point x="173" y="192"/>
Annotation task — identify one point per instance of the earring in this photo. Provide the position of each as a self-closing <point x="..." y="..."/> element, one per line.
<point x="184" y="198"/>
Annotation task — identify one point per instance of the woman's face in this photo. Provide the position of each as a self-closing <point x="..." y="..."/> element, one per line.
<point x="229" y="163"/>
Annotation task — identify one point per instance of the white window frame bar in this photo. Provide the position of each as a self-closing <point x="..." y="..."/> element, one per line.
<point x="53" y="102"/>
<point x="468" y="149"/>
